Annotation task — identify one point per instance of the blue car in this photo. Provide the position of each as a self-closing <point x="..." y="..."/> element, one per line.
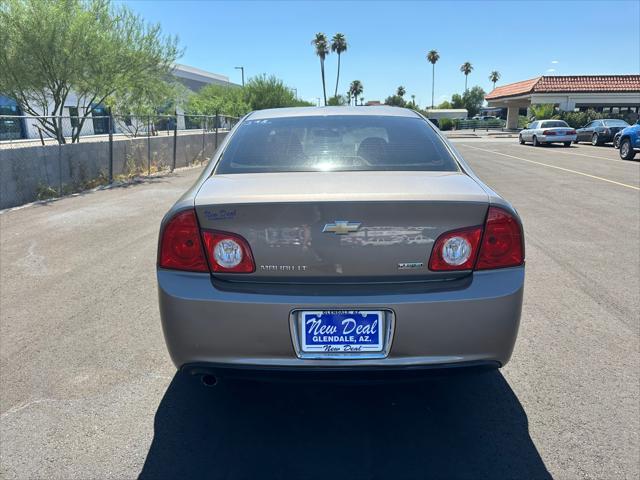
<point x="630" y="142"/>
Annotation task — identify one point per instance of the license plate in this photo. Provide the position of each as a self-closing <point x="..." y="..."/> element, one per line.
<point x="341" y="331"/>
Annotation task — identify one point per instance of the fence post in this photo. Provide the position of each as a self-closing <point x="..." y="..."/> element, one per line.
<point x="148" y="145"/>
<point x="216" y="130"/>
<point x="110" y="149"/>
<point x="59" y="167"/>
<point x="204" y="129"/>
<point x="175" y="140"/>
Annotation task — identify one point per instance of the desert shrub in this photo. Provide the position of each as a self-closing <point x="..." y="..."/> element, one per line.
<point x="445" y="124"/>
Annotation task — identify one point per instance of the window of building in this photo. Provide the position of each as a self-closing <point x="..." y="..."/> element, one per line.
<point x="11" y="128"/>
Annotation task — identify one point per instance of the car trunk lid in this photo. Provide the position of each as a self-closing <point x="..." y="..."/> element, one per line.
<point x="340" y="226"/>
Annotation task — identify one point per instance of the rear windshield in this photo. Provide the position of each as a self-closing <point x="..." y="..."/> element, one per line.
<point x="616" y="123"/>
<point x="336" y="142"/>
<point x="554" y="123"/>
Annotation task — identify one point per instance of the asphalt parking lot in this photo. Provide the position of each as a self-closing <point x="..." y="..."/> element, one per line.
<point x="88" y="390"/>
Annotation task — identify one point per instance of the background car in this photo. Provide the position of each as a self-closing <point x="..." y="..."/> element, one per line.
<point x="543" y="132"/>
<point x="599" y="132"/>
<point x="616" y="140"/>
<point x="630" y="142"/>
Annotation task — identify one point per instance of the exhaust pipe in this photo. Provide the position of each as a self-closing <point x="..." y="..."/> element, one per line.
<point x="209" y="380"/>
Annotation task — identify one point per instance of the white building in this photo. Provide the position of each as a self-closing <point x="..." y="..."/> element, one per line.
<point x="17" y="128"/>
<point x="451" y="113"/>
<point x="617" y="94"/>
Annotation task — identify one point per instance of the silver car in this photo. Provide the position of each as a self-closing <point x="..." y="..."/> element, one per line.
<point x="543" y="132"/>
<point x="339" y="238"/>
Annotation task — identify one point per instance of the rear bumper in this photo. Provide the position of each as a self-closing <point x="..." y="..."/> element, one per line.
<point x="557" y="138"/>
<point x="477" y="322"/>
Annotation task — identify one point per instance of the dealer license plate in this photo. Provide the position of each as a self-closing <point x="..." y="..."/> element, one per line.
<point x="341" y="331"/>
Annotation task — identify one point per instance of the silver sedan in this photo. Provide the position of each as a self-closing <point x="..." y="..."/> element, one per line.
<point x="343" y="239"/>
<point x="543" y="132"/>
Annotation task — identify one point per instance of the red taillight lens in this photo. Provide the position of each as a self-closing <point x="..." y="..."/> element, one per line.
<point x="502" y="242"/>
<point x="455" y="250"/>
<point x="180" y="244"/>
<point x="571" y="132"/>
<point x="498" y="245"/>
<point x="228" y="252"/>
<point x="548" y="132"/>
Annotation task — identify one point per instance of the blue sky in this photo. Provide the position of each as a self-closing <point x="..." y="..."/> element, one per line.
<point x="388" y="41"/>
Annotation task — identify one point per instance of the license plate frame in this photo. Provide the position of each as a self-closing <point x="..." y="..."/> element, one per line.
<point x="301" y="346"/>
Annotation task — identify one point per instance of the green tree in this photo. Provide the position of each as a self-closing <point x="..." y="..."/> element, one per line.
<point x="339" y="46"/>
<point x="132" y="107"/>
<point x="456" y="101"/>
<point x="401" y="91"/>
<point x="445" y="105"/>
<point x="337" y="101"/>
<point x="432" y="57"/>
<point x="265" y="91"/>
<point x="321" y="45"/>
<point x="51" y="48"/>
<point x="395" y="101"/>
<point x="494" y="77"/>
<point x="221" y="99"/>
<point x="472" y="100"/>
<point x="466" y="68"/>
<point x="356" y="90"/>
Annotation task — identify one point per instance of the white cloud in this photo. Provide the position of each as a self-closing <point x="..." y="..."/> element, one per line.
<point x="551" y="70"/>
<point x="555" y="61"/>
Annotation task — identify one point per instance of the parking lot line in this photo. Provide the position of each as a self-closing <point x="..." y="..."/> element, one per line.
<point x="554" y="166"/>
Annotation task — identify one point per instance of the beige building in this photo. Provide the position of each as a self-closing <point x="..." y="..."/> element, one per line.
<point x="617" y="94"/>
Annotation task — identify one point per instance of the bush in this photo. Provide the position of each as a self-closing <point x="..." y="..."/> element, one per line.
<point x="522" y="121"/>
<point x="580" y="119"/>
<point x="445" y="124"/>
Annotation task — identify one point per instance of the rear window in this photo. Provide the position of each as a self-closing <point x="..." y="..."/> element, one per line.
<point x="336" y="142"/>
<point x="554" y="124"/>
<point x="616" y="123"/>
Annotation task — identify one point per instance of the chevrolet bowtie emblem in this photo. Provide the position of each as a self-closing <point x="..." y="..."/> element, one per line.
<point x="341" y="227"/>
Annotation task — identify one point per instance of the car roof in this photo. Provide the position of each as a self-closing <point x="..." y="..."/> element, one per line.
<point x="383" y="111"/>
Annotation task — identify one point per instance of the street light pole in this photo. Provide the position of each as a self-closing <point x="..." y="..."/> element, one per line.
<point x="295" y="90"/>
<point x="242" y="70"/>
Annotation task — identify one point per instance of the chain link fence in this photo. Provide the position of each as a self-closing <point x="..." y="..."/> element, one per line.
<point x="49" y="156"/>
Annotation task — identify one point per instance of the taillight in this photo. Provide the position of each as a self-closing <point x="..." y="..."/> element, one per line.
<point x="180" y="244"/>
<point x="571" y="132"/>
<point x="502" y="242"/>
<point x="228" y="252"/>
<point x="548" y="132"/>
<point x="456" y="250"/>
<point x="499" y="244"/>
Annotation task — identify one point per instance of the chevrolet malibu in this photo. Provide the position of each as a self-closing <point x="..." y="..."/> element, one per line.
<point x="339" y="239"/>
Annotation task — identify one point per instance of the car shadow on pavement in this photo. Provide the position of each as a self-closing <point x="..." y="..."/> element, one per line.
<point x="470" y="426"/>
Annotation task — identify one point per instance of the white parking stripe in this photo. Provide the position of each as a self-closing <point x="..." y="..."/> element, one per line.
<point x="556" y="167"/>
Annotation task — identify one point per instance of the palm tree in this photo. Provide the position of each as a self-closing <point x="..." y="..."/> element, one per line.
<point x="433" y="56"/>
<point x="356" y="90"/>
<point x="339" y="46"/>
<point x="401" y="91"/>
<point x="322" y="50"/>
<point x="494" y="77"/>
<point x="466" y="68"/>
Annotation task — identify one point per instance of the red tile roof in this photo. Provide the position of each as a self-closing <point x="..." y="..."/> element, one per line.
<point x="566" y="84"/>
<point x="513" y="89"/>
